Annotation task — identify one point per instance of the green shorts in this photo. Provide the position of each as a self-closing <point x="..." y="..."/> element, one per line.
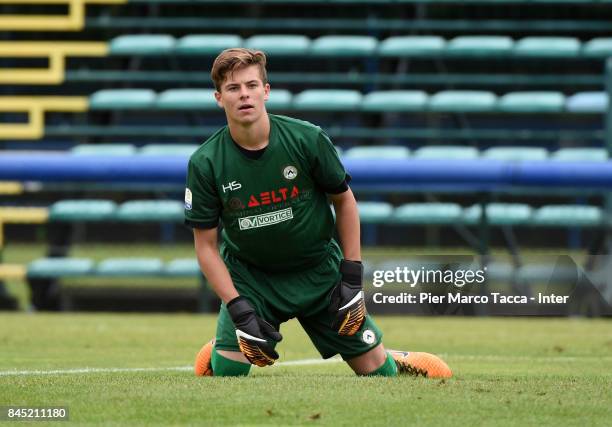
<point x="305" y="295"/>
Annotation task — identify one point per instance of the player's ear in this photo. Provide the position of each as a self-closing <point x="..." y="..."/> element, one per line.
<point x="266" y="91"/>
<point x="218" y="98"/>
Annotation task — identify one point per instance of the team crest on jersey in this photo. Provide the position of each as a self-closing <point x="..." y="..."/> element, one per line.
<point x="368" y="336"/>
<point x="188" y="199"/>
<point x="290" y="172"/>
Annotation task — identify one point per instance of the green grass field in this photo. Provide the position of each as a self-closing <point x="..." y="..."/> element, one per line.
<point x="507" y="372"/>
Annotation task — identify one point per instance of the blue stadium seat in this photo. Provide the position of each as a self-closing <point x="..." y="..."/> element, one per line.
<point x="124" y="99"/>
<point x="480" y="46"/>
<point x="587" y="102"/>
<point x="182" y="267"/>
<point x="532" y="102"/>
<point x="142" y="44"/>
<point x="59" y="267"/>
<point x="168" y="149"/>
<point x="103" y="150"/>
<point x="280" y="99"/>
<point x="377" y="152"/>
<point x="187" y="99"/>
<point x="374" y="212"/>
<point x="281" y="44"/>
<point x="394" y="100"/>
<point x="408" y="46"/>
<point x="568" y="216"/>
<point x="82" y="210"/>
<point x="463" y="101"/>
<point x="129" y="267"/>
<point x="151" y="210"/>
<point x="600" y="47"/>
<point x="427" y="213"/>
<point x="335" y="46"/>
<point x="327" y="100"/>
<point x="207" y="44"/>
<point x="457" y="152"/>
<point x="499" y="214"/>
<point x="515" y="153"/>
<point x="540" y="47"/>
<point x="580" y="154"/>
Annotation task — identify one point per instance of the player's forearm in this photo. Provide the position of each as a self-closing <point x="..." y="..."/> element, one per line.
<point x="347" y="223"/>
<point x="217" y="274"/>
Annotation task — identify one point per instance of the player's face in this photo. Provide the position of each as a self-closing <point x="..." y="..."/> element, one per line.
<point x="243" y="95"/>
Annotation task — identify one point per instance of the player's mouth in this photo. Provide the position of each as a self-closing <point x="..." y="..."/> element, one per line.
<point x="246" y="108"/>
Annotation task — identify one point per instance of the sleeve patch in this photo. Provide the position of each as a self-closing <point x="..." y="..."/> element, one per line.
<point x="188" y="199"/>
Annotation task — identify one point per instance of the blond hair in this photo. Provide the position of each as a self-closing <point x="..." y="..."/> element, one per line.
<point x="234" y="59"/>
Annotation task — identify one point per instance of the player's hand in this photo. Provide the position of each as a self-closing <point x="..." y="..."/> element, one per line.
<point x="347" y="302"/>
<point x="255" y="335"/>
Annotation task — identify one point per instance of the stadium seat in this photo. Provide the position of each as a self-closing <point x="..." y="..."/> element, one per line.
<point x="427" y="213"/>
<point x="394" y="100"/>
<point x="462" y="101"/>
<point x="515" y="153"/>
<point x="327" y="100"/>
<point x="337" y="46"/>
<point x="479" y="46"/>
<point x="587" y="102"/>
<point x="580" y="154"/>
<point x="532" y="102"/>
<point x="187" y="267"/>
<point x="151" y="210"/>
<point x="280" y="99"/>
<point x="282" y="44"/>
<point x="567" y="216"/>
<point x="187" y="99"/>
<point x="377" y="152"/>
<point x="103" y="150"/>
<point x="456" y="152"/>
<point x="59" y="267"/>
<point x="206" y="44"/>
<point x="374" y="212"/>
<point x="142" y="44"/>
<point x="168" y="150"/>
<point x="129" y="267"/>
<point x="123" y="99"/>
<point x="407" y="46"/>
<point x="82" y="210"/>
<point x="499" y="214"/>
<point x="600" y="47"/>
<point x="563" y="47"/>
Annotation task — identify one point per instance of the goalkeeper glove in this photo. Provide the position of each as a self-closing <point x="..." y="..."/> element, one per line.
<point x="347" y="302"/>
<point x="254" y="334"/>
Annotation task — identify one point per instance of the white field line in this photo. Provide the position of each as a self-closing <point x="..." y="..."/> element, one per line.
<point x="166" y="369"/>
<point x="302" y="362"/>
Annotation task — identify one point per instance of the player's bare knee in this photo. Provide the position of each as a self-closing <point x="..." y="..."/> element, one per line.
<point x="368" y="362"/>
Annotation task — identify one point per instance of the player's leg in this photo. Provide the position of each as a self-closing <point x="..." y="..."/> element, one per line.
<point x="374" y="362"/>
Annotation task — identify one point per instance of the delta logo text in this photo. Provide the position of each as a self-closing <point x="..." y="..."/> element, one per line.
<point x="264" y="220"/>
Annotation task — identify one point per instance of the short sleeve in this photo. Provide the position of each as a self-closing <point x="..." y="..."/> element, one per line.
<point x="202" y="204"/>
<point x="328" y="171"/>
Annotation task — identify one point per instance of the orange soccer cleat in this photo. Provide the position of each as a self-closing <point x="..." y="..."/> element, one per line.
<point x="418" y="363"/>
<point x="203" y="361"/>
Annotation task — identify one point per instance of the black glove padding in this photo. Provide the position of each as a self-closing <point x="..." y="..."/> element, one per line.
<point x="254" y="334"/>
<point x="347" y="302"/>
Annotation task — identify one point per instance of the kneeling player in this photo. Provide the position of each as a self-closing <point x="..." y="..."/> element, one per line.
<point x="267" y="179"/>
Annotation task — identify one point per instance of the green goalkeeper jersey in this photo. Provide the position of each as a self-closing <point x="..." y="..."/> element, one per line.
<point x="274" y="209"/>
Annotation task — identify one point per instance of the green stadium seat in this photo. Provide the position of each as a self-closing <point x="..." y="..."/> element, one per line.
<point x="374" y="212"/>
<point x="82" y="210"/>
<point x="479" y="46"/>
<point x="580" y="154"/>
<point x="409" y="46"/>
<point x="327" y="100"/>
<point x="280" y="99"/>
<point x="587" y="102"/>
<point x="122" y="99"/>
<point x="129" y="267"/>
<point x="282" y="44"/>
<point x="532" y="102"/>
<point x="142" y="44"/>
<point x="187" y="267"/>
<point x="600" y="47"/>
<point x="336" y="46"/>
<point x="499" y="214"/>
<point x="168" y="150"/>
<point x="59" y="267"/>
<point x="103" y="150"/>
<point x="462" y="101"/>
<point x="515" y="153"/>
<point x="394" y="100"/>
<point x="456" y="152"/>
<point x="562" y="47"/>
<point x="206" y="44"/>
<point x="427" y="213"/>
<point x="568" y="216"/>
<point x="187" y="99"/>
<point x="151" y="210"/>
<point x="377" y="152"/>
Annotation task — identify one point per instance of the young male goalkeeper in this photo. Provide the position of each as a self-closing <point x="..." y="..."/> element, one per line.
<point x="267" y="180"/>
